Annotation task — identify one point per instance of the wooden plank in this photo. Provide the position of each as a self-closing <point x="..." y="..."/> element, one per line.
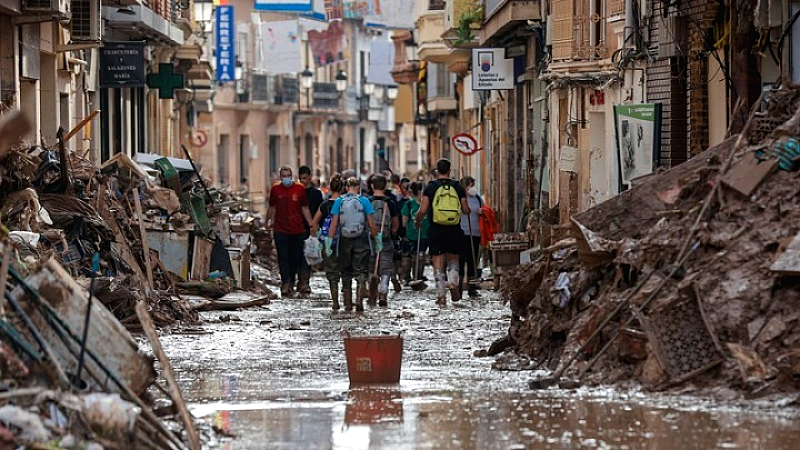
<point x="4" y="278"/>
<point x="201" y="258"/>
<point x="169" y="375"/>
<point x="122" y="246"/>
<point x="143" y="236"/>
<point x="117" y="349"/>
<point x="747" y="174"/>
<point x="789" y="261"/>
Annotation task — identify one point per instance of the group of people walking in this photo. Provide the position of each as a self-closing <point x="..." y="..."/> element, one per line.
<point x="378" y="236"/>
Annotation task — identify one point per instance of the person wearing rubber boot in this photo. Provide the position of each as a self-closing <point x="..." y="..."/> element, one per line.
<point x="352" y="222"/>
<point x="444" y="200"/>
<point x="387" y="221"/>
<point x="321" y="228"/>
<point x="288" y="208"/>
<point x="314" y="196"/>
<point x="417" y="245"/>
<point x="471" y="242"/>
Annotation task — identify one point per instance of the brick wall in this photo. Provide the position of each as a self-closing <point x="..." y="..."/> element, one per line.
<point x="679" y="82"/>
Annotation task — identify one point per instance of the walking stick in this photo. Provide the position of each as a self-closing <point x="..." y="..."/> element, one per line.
<point x="418" y="284"/>
<point x="469" y="224"/>
<point x="471" y="246"/>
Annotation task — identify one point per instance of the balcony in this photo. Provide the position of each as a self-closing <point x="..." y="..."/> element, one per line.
<point x="580" y="30"/>
<point x="441" y="89"/>
<point x="503" y="16"/>
<point x="325" y="96"/>
<point x="430" y="26"/>
<point x="140" y="22"/>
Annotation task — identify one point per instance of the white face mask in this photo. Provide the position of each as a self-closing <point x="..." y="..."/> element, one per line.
<point x="473" y="191"/>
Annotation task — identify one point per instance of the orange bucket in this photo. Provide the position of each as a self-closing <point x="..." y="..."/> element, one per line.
<point x="373" y="359"/>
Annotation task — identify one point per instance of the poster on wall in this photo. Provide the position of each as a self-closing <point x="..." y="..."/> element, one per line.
<point x="281" y="47"/>
<point x="638" y="130"/>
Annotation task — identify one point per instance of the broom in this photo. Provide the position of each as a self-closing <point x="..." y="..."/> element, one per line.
<point x="418" y="284"/>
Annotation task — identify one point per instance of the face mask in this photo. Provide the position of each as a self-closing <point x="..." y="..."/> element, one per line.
<point x="286" y="181"/>
<point x="473" y="191"/>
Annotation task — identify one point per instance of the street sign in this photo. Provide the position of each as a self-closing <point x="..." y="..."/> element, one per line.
<point x="226" y="56"/>
<point x="491" y="70"/>
<point x="465" y="144"/>
<point x="122" y="64"/>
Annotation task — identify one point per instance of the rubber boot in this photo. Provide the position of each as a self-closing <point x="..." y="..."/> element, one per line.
<point x="360" y="301"/>
<point x="335" y="295"/>
<point x="304" y="282"/>
<point x="396" y="283"/>
<point x="441" y="288"/>
<point x="405" y="270"/>
<point x="453" y="281"/>
<point x="347" y="296"/>
<point x="383" y="290"/>
<point x="372" y="298"/>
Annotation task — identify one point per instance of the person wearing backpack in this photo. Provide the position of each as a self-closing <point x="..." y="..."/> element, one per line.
<point x="471" y="242"/>
<point x="444" y="200"/>
<point x="320" y="227"/>
<point x="352" y="223"/>
<point x="387" y="221"/>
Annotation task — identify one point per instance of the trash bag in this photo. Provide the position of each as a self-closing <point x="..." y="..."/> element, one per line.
<point x="312" y="249"/>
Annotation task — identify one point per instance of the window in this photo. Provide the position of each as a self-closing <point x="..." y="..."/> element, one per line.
<point x="274" y="155"/>
<point x="223" y="162"/>
<point x="244" y="157"/>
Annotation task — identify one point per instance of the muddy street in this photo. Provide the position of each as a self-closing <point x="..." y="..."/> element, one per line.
<point x="276" y="377"/>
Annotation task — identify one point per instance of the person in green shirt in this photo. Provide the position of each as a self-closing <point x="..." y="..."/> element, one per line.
<point x="408" y="213"/>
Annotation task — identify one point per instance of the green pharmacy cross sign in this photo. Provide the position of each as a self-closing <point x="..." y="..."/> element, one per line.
<point x="166" y="81"/>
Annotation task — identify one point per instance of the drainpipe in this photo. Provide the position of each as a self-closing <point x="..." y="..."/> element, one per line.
<point x="629" y="25"/>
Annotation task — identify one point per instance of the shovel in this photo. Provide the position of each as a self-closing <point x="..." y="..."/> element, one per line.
<point x="418" y="284"/>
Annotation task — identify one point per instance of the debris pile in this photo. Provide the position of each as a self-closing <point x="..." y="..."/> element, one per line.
<point x="693" y="275"/>
<point x="89" y="254"/>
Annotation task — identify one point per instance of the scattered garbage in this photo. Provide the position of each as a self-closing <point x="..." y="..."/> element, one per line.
<point x="141" y="243"/>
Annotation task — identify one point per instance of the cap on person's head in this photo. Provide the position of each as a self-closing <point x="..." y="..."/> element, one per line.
<point x="443" y="166"/>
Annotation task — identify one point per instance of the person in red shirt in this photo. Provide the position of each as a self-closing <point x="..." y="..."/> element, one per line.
<point x="288" y="207"/>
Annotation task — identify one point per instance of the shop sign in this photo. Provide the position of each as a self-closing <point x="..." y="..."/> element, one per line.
<point x="122" y="64"/>
<point x="491" y="70"/>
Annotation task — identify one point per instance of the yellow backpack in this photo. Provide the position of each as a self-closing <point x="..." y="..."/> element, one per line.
<point x="446" y="205"/>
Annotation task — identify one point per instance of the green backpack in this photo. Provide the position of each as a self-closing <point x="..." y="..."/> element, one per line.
<point x="446" y="205"/>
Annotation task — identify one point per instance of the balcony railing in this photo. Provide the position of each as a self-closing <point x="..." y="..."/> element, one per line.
<point x="325" y="96"/>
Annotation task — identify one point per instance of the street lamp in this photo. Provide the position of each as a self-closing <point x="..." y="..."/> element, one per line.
<point x="306" y="78"/>
<point x="392" y="92"/>
<point x="369" y="88"/>
<point x="341" y="81"/>
<point x="379" y="91"/>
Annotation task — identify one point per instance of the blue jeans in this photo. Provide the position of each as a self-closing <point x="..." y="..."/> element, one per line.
<point x="290" y="255"/>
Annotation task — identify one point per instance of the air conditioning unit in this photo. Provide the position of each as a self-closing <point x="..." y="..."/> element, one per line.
<point x="86" y="24"/>
<point x="54" y="8"/>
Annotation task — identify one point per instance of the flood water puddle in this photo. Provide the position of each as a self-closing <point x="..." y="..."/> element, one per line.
<point x="276" y="378"/>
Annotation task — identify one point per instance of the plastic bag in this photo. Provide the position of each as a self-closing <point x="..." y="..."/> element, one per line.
<point x="312" y="249"/>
